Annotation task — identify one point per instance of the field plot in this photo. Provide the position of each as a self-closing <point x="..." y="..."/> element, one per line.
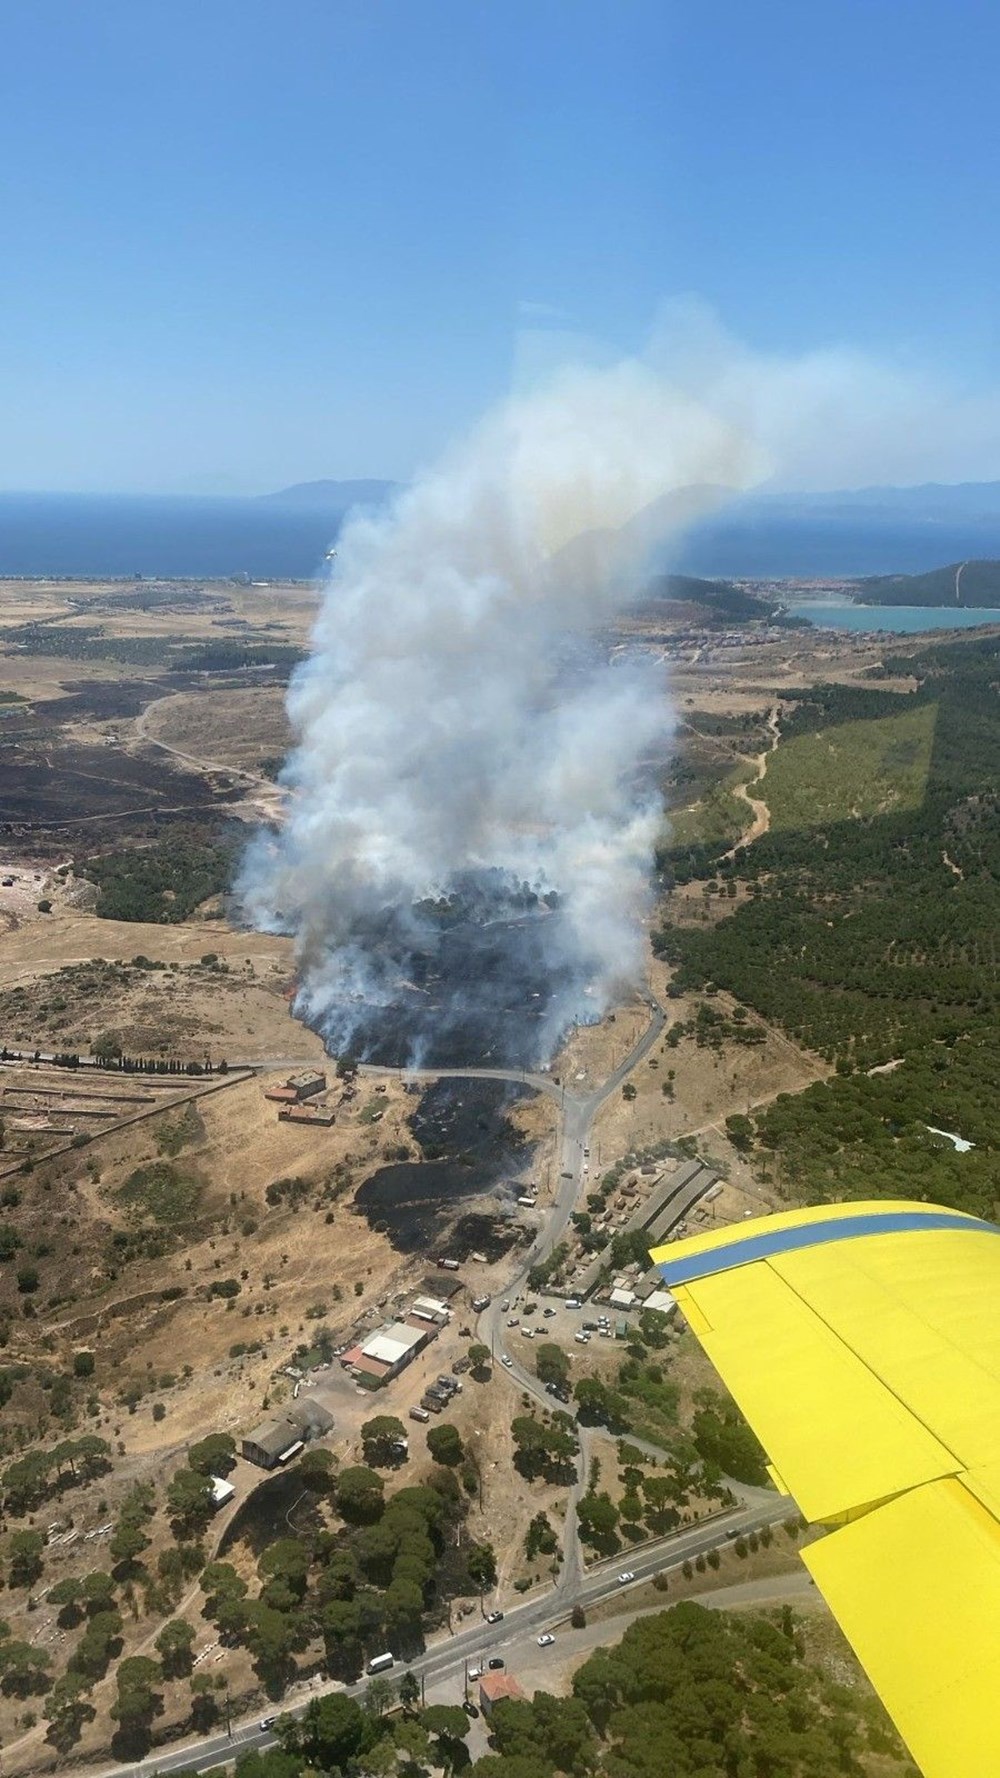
<point x="38" y="1104"/>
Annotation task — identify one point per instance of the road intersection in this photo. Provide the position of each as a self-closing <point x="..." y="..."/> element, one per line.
<point x="576" y="1585"/>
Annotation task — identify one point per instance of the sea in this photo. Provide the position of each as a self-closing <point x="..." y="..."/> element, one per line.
<point x="82" y="536"/>
<point x="79" y="536"/>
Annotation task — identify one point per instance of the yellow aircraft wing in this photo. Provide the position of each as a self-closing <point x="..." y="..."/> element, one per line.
<point x="862" y="1343"/>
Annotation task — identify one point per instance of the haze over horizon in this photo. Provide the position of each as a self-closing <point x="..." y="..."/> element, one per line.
<point x="252" y="246"/>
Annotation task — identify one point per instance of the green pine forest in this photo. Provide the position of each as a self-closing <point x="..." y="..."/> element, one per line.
<point x="872" y="930"/>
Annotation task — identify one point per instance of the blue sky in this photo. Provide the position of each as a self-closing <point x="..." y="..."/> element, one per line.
<point x="251" y="242"/>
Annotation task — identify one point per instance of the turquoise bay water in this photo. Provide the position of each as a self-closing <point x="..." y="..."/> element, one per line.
<point x="905" y="620"/>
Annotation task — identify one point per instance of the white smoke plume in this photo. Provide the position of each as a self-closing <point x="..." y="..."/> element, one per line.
<point x="461" y="741"/>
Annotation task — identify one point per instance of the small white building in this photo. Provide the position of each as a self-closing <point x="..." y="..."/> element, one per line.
<point x="662" y="1301"/>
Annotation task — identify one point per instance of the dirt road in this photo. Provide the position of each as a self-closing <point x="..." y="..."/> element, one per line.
<point x="760" y="813"/>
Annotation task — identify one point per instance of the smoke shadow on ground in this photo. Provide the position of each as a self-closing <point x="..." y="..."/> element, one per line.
<point x="469" y="1147"/>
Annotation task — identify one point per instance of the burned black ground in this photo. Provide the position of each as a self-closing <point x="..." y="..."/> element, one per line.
<point x="470" y="1148"/>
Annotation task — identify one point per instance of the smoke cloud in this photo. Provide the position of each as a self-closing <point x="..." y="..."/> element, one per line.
<point x="466" y="856"/>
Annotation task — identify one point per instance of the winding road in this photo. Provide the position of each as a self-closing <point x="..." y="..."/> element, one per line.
<point x="575" y="1584"/>
<point x="758" y="808"/>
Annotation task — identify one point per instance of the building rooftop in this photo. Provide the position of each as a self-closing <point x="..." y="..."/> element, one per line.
<point x="273" y="1436"/>
<point x="494" y="1686"/>
<point x="663" y="1301"/>
<point x="392" y="1343"/>
<point x="372" y="1367"/>
<point x="302" y="1419"/>
<point x="429" y="1305"/>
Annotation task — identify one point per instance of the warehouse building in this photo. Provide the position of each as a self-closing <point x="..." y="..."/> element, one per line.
<point x="384" y="1354"/>
<point x="278" y="1440"/>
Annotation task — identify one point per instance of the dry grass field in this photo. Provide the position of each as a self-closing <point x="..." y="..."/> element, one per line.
<point x="133" y="716"/>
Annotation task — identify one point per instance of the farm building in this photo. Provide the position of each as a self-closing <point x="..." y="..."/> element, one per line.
<point x="280" y="1439"/>
<point x="298" y="1087"/>
<point x="313" y="1111"/>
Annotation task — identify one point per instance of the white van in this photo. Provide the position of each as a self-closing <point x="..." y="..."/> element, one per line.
<point x="380" y="1664"/>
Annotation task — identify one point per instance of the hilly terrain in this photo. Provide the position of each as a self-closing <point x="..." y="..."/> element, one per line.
<point x="327" y="496"/>
<point x="865" y="926"/>
<point x="974" y="584"/>
<point x="715" y="601"/>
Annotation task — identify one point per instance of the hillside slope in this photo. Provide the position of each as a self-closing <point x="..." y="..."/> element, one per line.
<point x="973" y="583"/>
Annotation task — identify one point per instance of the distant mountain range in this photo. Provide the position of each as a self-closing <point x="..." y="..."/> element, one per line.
<point x="332" y="496"/>
<point x="864" y="532"/>
<point x="880" y="532"/>
<point x="858" y="532"/>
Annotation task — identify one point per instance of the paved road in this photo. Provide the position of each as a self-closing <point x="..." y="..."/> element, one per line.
<point x="578" y="1113"/>
<point x="546" y="1611"/>
<point x="574" y="1585"/>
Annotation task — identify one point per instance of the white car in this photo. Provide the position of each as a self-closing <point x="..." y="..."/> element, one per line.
<point x="475" y="1673"/>
<point x="546" y="1640"/>
<point x="506" y="1359"/>
<point x="527" y="1333"/>
<point x="625" y="1576"/>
